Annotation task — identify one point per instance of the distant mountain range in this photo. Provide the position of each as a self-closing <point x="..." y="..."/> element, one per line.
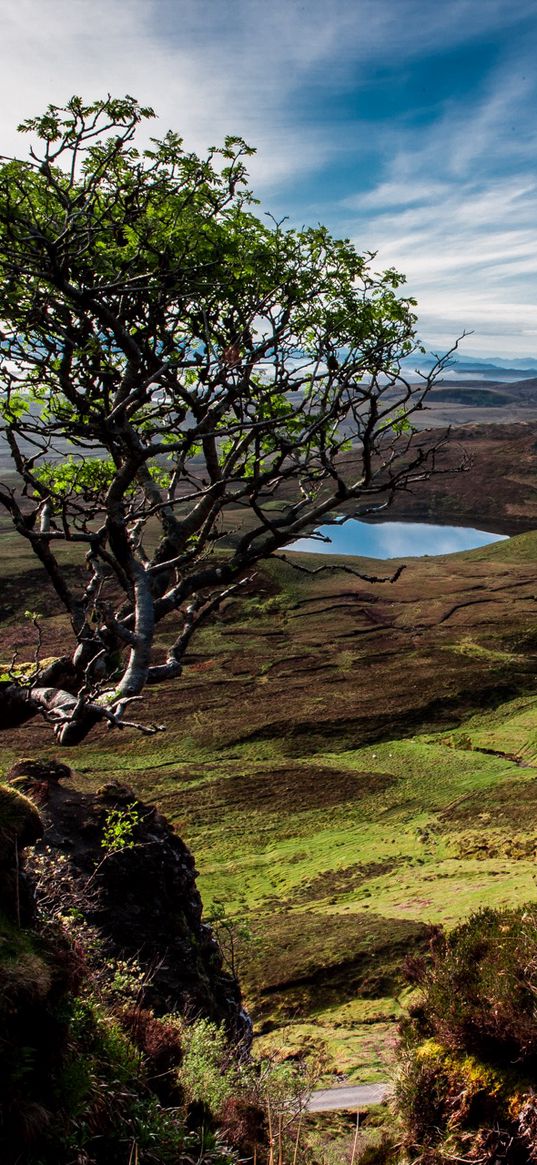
<point x="526" y="367"/>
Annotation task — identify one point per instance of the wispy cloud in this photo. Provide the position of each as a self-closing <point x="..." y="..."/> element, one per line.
<point x="225" y="65"/>
<point x="439" y="178"/>
<point x="456" y="210"/>
<point x="206" y="77"/>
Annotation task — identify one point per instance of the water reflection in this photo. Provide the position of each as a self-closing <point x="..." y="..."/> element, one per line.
<point x="394" y="539"/>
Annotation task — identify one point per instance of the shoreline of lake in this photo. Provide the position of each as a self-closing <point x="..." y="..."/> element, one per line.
<point x="385" y="540"/>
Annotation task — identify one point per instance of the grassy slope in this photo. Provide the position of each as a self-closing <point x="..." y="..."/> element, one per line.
<point x="323" y="761"/>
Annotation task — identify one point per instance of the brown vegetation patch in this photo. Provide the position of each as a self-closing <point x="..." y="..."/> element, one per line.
<point x="281" y="790"/>
<point x="312" y="960"/>
<point x="335" y="883"/>
<point x="378" y="721"/>
<point x="497" y="492"/>
<point x="513" y="802"/>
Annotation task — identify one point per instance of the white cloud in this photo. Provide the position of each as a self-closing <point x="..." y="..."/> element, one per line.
<point x="202" y="86"/>
<point x="222" y="66"/>
<point x="443" y="211"/>
<point x="456" y="210"/>
<point x="483" y="280"/>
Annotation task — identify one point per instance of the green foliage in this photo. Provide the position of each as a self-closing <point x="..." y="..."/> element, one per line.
<point x="210" y="1076"/>
<point x="104" y="1095"/>
<point x="119" y="828"/>
<point x="400" y="423"/>
<point x="204" y="1073"/>
<point x="89" y="478"/>
<point x="108" y="1058"/>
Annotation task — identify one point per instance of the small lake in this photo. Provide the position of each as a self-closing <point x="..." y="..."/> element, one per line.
<point x="394" y="539"/>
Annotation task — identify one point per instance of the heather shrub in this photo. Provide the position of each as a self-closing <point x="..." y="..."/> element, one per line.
<point x="467" y="1084"/>
<point x="160" y="1044"/>
<point x="480" y="990"/>
<point x="242" y="1123"/>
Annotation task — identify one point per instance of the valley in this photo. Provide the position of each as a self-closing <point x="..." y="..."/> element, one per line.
<point x="352" y="763"/>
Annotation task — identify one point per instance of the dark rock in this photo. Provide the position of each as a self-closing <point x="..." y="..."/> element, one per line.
<point x="100" y="911"/>
<point x="14" y="709"/>
<point x="39" y="770"/>
<point x="143" y="900"/>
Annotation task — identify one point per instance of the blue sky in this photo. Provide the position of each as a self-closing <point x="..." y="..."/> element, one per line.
<point x="408" y="125"/>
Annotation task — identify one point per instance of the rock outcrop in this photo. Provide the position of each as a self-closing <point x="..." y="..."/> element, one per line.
<point x="34" y="977"/>
<point x="117" y="862"/>
<point x="84" y="1069"/>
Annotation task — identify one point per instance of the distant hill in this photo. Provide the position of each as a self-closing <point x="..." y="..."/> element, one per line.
<point x="526" y="367"/>
<point x="485" y="394"/>
<point x="498" y="362"/>
<point x="504" y="369"/>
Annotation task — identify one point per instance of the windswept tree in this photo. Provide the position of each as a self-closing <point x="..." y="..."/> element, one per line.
<point x="185" y="388"/>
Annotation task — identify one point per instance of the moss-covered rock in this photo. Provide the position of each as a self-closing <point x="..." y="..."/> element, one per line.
<point x="20" y="823"/>
<point x="20" y="826"/>
<point x="28" y="773"/>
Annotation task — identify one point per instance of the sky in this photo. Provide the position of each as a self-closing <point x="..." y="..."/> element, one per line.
<point x="409" y="126"/>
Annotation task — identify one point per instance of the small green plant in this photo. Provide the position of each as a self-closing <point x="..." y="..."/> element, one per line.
<point x="119" y="828"/>
<point x="230" y="932"/>
<point x="128" y="980"/>
<point x="400" y="422"/>
<point x="204" y="1074"/>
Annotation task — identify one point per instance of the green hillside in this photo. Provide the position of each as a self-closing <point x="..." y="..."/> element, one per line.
<point x="351" y="765"/>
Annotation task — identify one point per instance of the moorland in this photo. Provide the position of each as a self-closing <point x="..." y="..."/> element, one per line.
<point x="351" y="763"/>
